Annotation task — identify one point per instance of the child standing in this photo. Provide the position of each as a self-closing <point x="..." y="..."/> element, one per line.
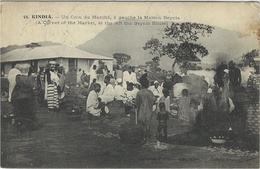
<point x="162" y="117"/>
<point x="165" y="99"/>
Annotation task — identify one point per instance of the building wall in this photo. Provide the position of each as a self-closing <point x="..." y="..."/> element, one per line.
<point x="84" y="64"/>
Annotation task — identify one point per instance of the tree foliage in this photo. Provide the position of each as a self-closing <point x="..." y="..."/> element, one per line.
<point x="121" y="58"/>
<point x="249" y="57"/>
<point x="183" y="44"/>
<point x="33" y="45"/>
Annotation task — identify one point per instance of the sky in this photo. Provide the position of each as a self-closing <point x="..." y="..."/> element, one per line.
<point x="17" y="30"/>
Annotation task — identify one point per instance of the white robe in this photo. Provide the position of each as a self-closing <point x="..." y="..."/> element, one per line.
<point x="79" y="74"/>
<point x="156" y="92"/>
<point x="119" y="92"/>
<point x="93" y="75"/>
<point x="127" y="77"/>
<point x="92" y="104"/>
<point x="12" y="81"/>
<point x="108" y="94"/>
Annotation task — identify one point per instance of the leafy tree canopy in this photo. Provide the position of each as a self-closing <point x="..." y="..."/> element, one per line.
<point x="33" y="45"/>
<point x="249" y="57"/>
<point x="121" y="58"/>
<point x="183" y="44"/>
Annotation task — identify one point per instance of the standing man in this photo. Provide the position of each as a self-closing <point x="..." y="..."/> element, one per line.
<point x="234" y="78"/>
<point x="139" y="74"/>
<point x="41" y="85"/>
<point x="220" y="74"/>
<point x="12" y="79"/>
<point x="79" y="74"/>
<point x="51" y="83"/>
<point x="176" y="78"/>
<point x="144" y="104"/>
<point x="93" y="73"/>
<point x="22" y="95"/>
<point x="129" y="76"/>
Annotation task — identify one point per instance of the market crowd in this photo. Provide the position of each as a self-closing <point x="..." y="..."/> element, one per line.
<point x="132" y="88"/>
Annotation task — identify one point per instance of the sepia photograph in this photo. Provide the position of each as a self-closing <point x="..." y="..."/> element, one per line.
<point x="130" y="84"/>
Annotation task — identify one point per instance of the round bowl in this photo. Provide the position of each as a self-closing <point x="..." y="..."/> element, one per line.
<point x="218" y="140"/>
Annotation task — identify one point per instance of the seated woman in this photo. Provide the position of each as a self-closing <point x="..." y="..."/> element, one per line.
<point x="94" y="106"/>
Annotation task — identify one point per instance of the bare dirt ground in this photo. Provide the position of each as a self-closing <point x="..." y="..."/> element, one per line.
<point x="61" y="143"/>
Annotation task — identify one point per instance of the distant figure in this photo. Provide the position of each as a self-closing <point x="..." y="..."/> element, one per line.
<point x="93" y="73"/>
<point x="162" y="117"/>
<point x="167" y="84"/>
<point x="91" y="86"/>
<point x="109" y="74"/>
<point x="144" y="104"/>
<point x="184" y="106"/>
<point x="129" y="101"/>
<point x="119" y="90"/>
<point x="12" y="79"/>
<point x="41" y="85"/>
<point x="129" y="76"/>
<point x="144" y="76"/>
<point x="234" y="78"/>
<point x="223" y="102"/>
<point x="220" y="73"/>
<point x="134" y="76"/>
<point x="176" y="78"/>
<point x="101" y="71"/>
<point x="165" y="99"/>
<point x="79" y="74"/>
<point x="139" y="74"/>
<point x="61" y="86"/>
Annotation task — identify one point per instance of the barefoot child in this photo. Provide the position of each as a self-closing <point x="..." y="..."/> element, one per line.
<point x="162" y="117"/>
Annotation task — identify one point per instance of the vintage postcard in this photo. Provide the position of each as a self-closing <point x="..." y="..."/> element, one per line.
<point x="130" y="84"/>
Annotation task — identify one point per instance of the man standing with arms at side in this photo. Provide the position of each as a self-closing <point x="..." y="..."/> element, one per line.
<point x="144" y="102"/>
<point x="234" y="78"/>
<point x="12" y="78"/>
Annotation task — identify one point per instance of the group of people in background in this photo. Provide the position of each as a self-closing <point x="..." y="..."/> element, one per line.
<point x="23" y="87"/>
<point x="133" y="89"/>
<point x="138" y="95"/>
<point x="228" y="78"/>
